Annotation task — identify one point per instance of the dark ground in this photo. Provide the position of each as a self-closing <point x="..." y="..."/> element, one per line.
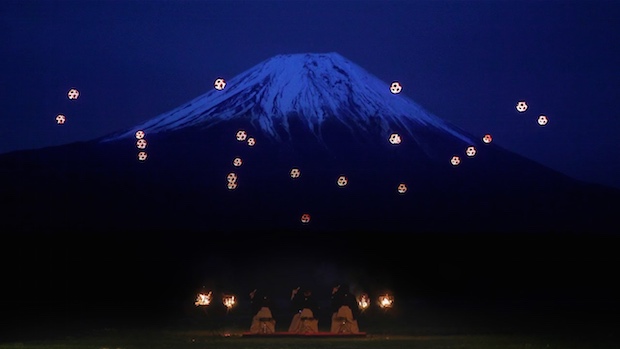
<point x="152" y="279"/>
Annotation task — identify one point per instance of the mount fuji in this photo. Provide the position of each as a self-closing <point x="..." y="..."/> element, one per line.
<point x="327" y="118"/>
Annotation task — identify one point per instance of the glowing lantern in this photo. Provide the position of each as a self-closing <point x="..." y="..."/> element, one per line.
<point x="251" y="141"/>
<point x="231" y="185"/>
<point x="455" y="160"/>
<point x="237" y="162"/>
<point x="229" y="301"/>
<point x="386" y="301"/>
<point x="342" y="181"/>
<point x="142" y="156"/>
<point x="543" y="120"/>
<point x="305" y="218"/>
<point x="487" y="138"/>
<point x="141" y="143"/>
<point x="402" y="188"/>
<point x="232" y="177"/>
<point x="363" y="302"/>
<point x="140" y="134"/>
<point x="396" y="87"/>
<point x="241" y="135"/>
<point x="73" y="94"/>
<point x="219" y="84"/>
<point x="203" y="299"/>
<point x="471" y="151"/>
<point x="521" y="106"/>
<point x="295" y="173"/>
<point x="394" y="138"/>
<point x="60" y="119"/>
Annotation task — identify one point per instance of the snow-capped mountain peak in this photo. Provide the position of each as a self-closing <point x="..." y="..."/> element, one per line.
<point x="312" y="87"/>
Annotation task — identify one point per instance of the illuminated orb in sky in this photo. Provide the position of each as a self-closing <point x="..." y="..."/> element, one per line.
<point x="251" y="141"/>
<point x="231" y="185"/>
<point x="402" y="188"/>
<point x="219" y="84"/>
<point x="342" y="181"/>
<point x="140" y="134"/>
<point x="142" y="156"/>
<point x="470" y="151"/>
<point x="141" y="143"/>
<point x="73" y="94"/>
<point x="295" y="173"/>
<point x="60" y="119"/>
<point x="395" y="87"/>
<point x="394" y="138"/>
<point x="231" y="177"/>
<point x="237" y="162"/>
<point x="455" y="160"/>
<point x="521" y="106"/>
<point x="543" y="120"/>
<point x="305" y="218"/>
<point x="487" y="138"/>
<point x="241" y="135"/>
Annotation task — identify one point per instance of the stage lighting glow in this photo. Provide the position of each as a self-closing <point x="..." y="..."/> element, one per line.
<point x="386" y="301"/>
<point x="342" y="181"/>
<point x="295" y="173"/>
<point x="203" y="299"/>
<point x="487" y="138"/>
<point x="229" y="301"/>
<point x="402" y="188"/>
<point x="363" y="301"/>
<point x="521" y="106"/>
<point x="305" y="218"/>
<point x="140" y="134"/>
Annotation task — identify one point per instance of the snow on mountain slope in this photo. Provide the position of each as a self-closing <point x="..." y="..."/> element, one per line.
<point x="312" y="87"/>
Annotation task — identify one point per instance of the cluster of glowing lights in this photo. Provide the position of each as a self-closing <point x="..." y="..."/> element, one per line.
<point x="229" y="301"/>
<point x="295" y="173"/>
<point x="342" y="181"/>
<point x="543" y="120"/>
<point x="455" y="161"/>
<point x="237" y="162"/>
<point x="60" y="119"/>
<point x="402" y="188"/>
<point x="305" y="218"/>
<point x="231" y="178"/>
<point x="73" y="93"/>
<point x="141" y="145"/>
<point x="203" y="299"/>
<point x="219" y="84"/>
<point x="386" y="301"/>
<point x="363" y="301"/>
<point x="394" y="138"/>
<point x="487" y="138"/>
<point x="395" y="87"/>
<point x="521" y="106"/>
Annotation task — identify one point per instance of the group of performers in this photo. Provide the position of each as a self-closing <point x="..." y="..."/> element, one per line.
<point x="306" y="311"/>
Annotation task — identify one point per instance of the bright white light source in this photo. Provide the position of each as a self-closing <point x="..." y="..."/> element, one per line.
<point x="386" y="301"/>
<point x="543" y="120"/>
<point x="394" y="138"/>
<point x="363" y="301"/>
<point x="251" y="141"/>
<point x="487" y="138"/>
<point x="219" y="84"/>
<point x="231" y="185"/>
<point x="73" y="94"/>
<point x="455" y="160"/>
<point x="395" y="87"/>
<point x="342" y="181"/>
<point x="305" y="218"/>
<point x="241" y="135"/>
<point x="471" y="151"/>
<point x="521" y="106"/>
<point x="141" y="143"/>
<point x="142" y="156"/>
<point x="229" y="301"/>
<point x="237" y="162"/>
<point x="295" y="173"/>
<point x="60" y="119"/>
<point x="231" y="177"/>
<point x="140" y="134"/>
<point x="203" y="299"/>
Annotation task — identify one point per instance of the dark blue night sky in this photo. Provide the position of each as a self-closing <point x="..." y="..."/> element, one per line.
<point x="468" y="62"/>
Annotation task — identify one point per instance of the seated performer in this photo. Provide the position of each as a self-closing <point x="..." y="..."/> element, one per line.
<point x="305" y="312"/>
<point x="345" y="310"/>
<point x="262" y="319"/>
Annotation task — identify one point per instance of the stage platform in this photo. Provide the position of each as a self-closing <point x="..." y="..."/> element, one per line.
<point x="304" y="335"/>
